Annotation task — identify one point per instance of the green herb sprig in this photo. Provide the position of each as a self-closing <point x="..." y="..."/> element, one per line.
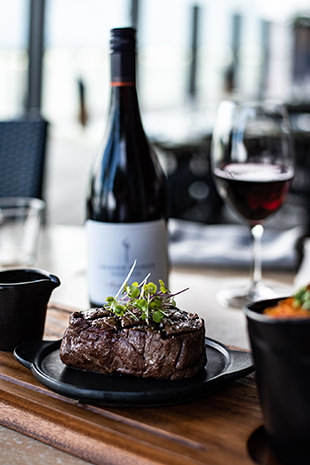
<point x="302" y="297"/>
<point x="145" y="301"/>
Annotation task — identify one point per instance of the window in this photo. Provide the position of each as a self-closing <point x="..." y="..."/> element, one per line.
<point x="13" y="55"/>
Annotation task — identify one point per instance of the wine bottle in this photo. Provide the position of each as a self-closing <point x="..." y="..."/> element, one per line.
<point x="127" y="198"/>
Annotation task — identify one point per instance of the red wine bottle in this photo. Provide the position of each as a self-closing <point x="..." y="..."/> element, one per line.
<point x="127" y="198"/>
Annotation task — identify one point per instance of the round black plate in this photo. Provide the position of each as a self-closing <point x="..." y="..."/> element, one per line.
<point x="42" y="358"/>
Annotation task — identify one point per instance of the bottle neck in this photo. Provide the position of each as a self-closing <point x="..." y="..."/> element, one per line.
<point x="123" y="69"/>
<point x="124" y="97"/>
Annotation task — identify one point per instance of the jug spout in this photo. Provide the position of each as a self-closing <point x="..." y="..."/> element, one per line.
<point x="41" y="284"/>
<point x="54" y="281"/>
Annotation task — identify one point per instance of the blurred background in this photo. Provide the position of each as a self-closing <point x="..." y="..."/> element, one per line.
<point x="54" y="62"/>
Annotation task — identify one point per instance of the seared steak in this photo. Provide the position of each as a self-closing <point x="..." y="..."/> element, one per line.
<point x="98" y="340"/>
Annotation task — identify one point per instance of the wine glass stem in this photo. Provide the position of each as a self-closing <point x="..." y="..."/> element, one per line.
<point x="257" y="232"/>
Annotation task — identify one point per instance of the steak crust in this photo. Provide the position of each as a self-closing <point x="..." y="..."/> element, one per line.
<point x="96" y="340"/>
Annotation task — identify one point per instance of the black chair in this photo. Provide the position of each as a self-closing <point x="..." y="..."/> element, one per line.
<point x="22" y="157"/>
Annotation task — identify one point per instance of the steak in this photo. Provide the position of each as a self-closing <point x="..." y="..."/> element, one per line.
<point x="100" y="341"/>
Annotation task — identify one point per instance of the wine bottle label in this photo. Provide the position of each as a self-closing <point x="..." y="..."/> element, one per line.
<point x="112" y="250"/>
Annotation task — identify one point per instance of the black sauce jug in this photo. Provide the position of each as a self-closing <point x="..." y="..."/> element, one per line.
<point x="24" y="294"/>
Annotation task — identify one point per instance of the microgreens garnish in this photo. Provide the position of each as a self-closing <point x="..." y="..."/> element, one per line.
<point x="302" y="298"/>
<point x="145" y="301"/>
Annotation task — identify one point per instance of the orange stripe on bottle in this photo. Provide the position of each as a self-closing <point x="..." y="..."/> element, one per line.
<point x="122" y="84"/>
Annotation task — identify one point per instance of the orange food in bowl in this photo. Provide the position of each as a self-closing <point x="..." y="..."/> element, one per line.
<point x="287" y="308"/>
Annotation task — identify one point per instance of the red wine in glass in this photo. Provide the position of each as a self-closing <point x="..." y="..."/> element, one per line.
<point x="254" y="190"/>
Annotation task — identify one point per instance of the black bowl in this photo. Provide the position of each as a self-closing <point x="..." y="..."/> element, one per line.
<point x="281" y="352"/>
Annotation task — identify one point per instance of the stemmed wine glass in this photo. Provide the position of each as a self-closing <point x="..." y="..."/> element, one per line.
<point x="253" y="166"/>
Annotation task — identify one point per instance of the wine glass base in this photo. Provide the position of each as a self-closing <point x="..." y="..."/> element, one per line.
<point x="241" y="295"/>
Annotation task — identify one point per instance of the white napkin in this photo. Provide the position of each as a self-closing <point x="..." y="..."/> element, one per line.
<point x="229" y="245"/>
<point x="302" y="277"/>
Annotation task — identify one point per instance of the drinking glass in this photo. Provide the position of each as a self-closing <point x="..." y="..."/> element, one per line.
<point x="20" y="225"/>
<point x="253" y="166"/>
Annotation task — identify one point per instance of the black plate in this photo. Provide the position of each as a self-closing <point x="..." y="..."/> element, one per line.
<point x="42" y="358"/>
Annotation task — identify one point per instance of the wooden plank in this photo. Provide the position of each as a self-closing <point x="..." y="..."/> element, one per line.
<point x="212" y="430"/>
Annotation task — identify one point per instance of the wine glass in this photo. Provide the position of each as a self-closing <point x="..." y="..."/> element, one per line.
<point x="253" y="166"/>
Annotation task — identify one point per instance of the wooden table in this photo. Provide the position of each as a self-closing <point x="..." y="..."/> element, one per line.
<point x="212" y="430"/>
